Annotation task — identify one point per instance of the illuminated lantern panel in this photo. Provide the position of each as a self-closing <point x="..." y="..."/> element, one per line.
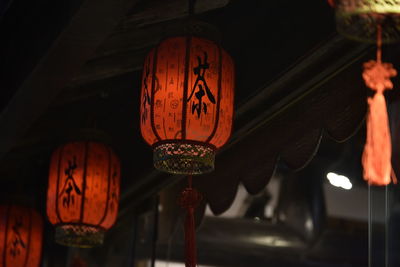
<point x="21" y="231"/>
<point x="83" y="192"/>
<point x="187" y="103"/>
<point x="357" y="19"/>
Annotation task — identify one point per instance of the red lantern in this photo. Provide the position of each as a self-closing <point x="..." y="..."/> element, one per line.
<point x="187" y="103"/>
<point x="83" y="192"/>
<point x="21" y="231"/>
<point x="186" y="112"/>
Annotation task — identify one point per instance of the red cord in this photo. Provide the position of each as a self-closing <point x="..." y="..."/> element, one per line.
<point x="189" y="200"/>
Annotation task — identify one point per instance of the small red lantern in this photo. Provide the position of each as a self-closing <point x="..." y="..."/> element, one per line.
<point x="83" y="192"/>
<point x="21" y="231"/>
<point x="187" y="103"/>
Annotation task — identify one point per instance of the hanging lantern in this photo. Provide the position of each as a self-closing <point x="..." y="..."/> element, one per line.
<point x="21" y="231"/>
<point x="377" y="21"/>
<point x="83" y="192"/>
<point x="186" y="110"/>
<point x="187" y="103"/>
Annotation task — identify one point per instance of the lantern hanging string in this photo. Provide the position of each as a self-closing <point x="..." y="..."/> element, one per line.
<point x="377" y="153"/>
<point x="189" y="200"/>
<point x="192" y="4"/>
<point x="379" y="44"/>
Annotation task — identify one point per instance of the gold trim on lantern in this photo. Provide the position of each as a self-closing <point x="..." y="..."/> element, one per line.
<point x="358" y="19"/>
<point x="180" y="157"/>
<point x="82" y="236"/>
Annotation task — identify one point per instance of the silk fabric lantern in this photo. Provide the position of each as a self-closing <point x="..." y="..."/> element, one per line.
<point x="187" y="103"/>
<point x="83" y="192"/>
<point x="373" y="21"/>
<point x="21" y="235"/>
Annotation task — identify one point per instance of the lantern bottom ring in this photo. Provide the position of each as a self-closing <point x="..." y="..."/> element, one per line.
<point x="187" y="158"/>
<point x="82" y="236"/>
<point x="357" y="19"/>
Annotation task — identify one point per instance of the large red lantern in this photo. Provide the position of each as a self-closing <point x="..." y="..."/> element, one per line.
<point x="186" y="111"/>
<point x="83" y="192"/>
<point x="187" y="103"/>
<point x="21" y="231"/>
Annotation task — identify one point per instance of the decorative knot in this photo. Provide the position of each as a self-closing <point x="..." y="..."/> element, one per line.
<point x="377" y="75"/>
<point x="190" y="198"/>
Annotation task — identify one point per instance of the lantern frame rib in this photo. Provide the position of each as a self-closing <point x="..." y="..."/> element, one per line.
<point x="84" y="185"/>
<point x="185" y="86"/>
<point x="153" y="91"/>
<point x="108" y="186"/>
<point x="58" y="181"/>
<point x="219" y="95"/>
<point x="29" y="237"/>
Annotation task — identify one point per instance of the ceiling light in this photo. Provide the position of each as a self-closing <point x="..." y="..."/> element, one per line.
<point x="339" y="181"/>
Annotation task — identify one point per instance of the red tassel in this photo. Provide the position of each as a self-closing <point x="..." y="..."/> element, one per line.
<point x="190" y="199"/>
<point x="377" y="154"/>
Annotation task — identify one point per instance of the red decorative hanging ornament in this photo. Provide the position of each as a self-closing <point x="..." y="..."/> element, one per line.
<point x="186" y="109"/>
<point x="373" y="21"/>
<point x="21" y="235"/>
<point x="83" y="192"/>
<point x="377" y="154"/>
<point x="190" y="198"/>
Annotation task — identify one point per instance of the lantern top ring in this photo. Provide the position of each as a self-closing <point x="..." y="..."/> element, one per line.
<point x="194" y="28"/>
<point x="358" y="19"/>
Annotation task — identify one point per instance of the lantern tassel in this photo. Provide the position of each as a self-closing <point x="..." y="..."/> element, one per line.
<point x="377" y="153"/>
<point x="190" y="239"/>
<point x="190" y="199"/>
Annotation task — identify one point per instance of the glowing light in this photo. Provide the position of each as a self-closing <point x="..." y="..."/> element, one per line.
<point x="271" y="241"/>
<point x="339" y="181"/>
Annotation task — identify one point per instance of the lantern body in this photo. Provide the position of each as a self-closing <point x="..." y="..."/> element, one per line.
<point x="83" y="192"/>
<point x="21" y="231"/>
<point x="187" y="103"/>
<point x="357" y="19"/>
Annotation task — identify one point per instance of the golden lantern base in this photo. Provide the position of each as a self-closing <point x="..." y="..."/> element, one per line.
<point x="184" y="157"/>
<point x="82" y="236"/>
<point x="358" y="19"/>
